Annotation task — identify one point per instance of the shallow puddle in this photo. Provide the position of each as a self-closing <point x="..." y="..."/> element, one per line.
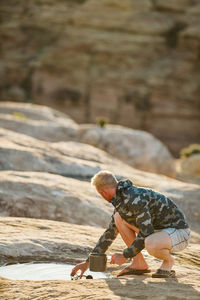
<point x="44" y="271"/>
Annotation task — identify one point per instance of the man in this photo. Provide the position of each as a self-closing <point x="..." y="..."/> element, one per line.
<point x="160" y="226"/>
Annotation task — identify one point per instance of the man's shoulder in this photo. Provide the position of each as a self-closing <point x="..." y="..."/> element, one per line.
<point x="137" y="190"/>
<point x="137" y="196"/>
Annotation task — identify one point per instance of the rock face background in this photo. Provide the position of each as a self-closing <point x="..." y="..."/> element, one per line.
<point x="135" y="62"/>
<point x="137" y="148"/>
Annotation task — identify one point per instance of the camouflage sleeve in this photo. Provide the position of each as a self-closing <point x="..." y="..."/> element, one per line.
<point x="107" y="238"/>
<point x="144" y="223"/>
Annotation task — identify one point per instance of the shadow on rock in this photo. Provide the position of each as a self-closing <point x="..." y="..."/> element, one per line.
<point x="145" y="287"/>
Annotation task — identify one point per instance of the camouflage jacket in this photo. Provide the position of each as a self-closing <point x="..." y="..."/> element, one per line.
<point x="145" y="209"/>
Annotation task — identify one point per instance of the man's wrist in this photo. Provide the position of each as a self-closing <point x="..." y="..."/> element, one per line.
<point x="127" y="253"/>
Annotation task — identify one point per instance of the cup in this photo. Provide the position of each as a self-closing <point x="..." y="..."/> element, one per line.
<point x="97" y="262"/>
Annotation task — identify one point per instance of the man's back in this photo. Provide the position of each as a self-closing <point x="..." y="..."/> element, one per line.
<point x="135" y="203"/>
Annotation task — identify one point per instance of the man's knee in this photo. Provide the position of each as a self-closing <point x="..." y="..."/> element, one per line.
<point x="118" y="219"/>
<point x="150" y="245"/>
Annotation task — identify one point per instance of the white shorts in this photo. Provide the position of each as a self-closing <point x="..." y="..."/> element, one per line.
<point x="179" y="237"/>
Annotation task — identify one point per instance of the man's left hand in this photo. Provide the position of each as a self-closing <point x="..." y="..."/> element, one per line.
<point x="118" y="259"/>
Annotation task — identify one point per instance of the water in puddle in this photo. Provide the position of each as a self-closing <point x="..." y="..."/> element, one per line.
<point x="43" y="271"/>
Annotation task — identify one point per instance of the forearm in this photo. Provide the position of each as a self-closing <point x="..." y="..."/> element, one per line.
<point x="136" y="247"/>
<point x="106" y="239"/>
<point x="101" y="246"/>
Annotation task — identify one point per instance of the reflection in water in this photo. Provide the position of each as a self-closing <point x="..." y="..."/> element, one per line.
<point x="43" y="271"/>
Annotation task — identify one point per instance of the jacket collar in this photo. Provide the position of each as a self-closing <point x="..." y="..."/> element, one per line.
<point x="117" y="199"/>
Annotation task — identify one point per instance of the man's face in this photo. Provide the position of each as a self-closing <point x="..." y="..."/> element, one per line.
<point x="107" y="193"/>
<point x="103" y="193"/>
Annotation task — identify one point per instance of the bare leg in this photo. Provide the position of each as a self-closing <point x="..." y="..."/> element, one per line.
<point x="128" y="235"/>
<point x="158" y="245"/>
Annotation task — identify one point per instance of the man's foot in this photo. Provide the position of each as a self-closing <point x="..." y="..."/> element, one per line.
<point x="167" y="264"/>
<point x="132" y="269"/>
<point x="164" y="274"/>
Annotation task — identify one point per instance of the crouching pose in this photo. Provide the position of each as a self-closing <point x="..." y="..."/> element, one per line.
<point x="145" y="219"/>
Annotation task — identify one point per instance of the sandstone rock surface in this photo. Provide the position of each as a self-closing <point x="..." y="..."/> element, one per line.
<point x="23" y="153"/>
<point x="135" y="147"/>
<point x="45" y="240"/>
<point x="37" y="121"/>
<point x="26" y="240"/>
<point x="50" y="196"/>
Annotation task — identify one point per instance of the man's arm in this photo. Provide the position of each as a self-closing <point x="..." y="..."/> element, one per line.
<point x="102" y="245"/>
<point x="144" y="223"/>
<point x="107" y="238"/>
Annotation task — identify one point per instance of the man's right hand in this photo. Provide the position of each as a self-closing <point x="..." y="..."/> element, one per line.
<point x="82" y="267"/>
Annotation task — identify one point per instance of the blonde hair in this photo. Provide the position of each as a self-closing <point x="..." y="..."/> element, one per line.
<point x="104" y="179"/>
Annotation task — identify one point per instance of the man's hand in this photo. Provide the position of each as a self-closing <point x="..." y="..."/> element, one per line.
<point x="83" y="267"/>
<point x="118" y="259"/>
